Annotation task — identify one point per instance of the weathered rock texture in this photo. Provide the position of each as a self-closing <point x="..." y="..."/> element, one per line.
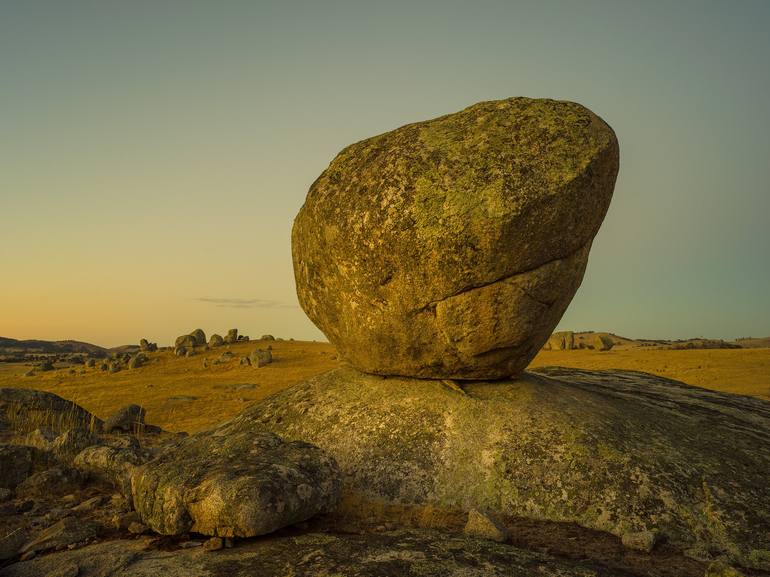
<point x="25" y="410"/>
<point x="234" y="484"/>
<point x="451" y="248"/>
<point x="620" y="452"/>
<point x="418" y="553"/>
<point x="128" y="419"/>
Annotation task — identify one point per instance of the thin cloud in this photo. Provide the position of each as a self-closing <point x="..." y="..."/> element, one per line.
<point x="233" y="303"/>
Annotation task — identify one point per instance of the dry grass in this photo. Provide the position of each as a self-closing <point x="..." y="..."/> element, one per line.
<point x="741" y="371"/>
<point x="207" y="396"/>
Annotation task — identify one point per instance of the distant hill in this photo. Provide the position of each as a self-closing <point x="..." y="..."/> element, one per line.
<point x="568" y="340"/>
<point x="37" y="347"/>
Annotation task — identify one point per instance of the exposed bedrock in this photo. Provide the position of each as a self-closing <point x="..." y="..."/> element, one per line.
<point x="621" y="452"/>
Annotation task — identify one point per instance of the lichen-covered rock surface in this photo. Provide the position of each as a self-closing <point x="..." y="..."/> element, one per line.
<point x="399" y="553"/>
<point x="234" y="483"/>
<point x="451" y="248"/>
<point x="620" y="452"/>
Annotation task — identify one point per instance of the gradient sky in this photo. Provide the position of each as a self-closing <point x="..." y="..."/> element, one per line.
<point x="154" y="153"/>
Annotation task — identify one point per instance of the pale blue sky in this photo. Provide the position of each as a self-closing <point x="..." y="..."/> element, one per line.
<point x="154" y="153"/>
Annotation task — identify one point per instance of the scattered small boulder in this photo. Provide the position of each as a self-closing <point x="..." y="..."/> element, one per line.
<point x="68" y="531"/>
<point x="180" y="351"/>
<point x="45" y="366"/>
<point x="185" y="341"/>
<point x="137" y="528"/>
<point x="214" y="544"/>
<point x="231" y="336"/>
<point x="245" y="361"/>
<point x="147" y="347"/>
<point x="137" y="361"/>
<point x="640" y="541"/>
<point x="267" y="338"/>
<point x="128" y="419"/>
<point x="485" y="525"/>
<point x="216" y="341"/>
<point x="261" y="357"/>
<point x="125" y="520"/>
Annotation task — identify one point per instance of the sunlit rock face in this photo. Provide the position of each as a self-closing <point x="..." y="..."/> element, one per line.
<point x="617" y="451"/>
<point x="451" y="248"/>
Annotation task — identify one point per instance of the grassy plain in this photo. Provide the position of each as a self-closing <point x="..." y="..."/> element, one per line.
<point x="180" y="394"/>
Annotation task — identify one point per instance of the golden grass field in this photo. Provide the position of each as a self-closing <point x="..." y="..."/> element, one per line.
<point x="181" y="395"/>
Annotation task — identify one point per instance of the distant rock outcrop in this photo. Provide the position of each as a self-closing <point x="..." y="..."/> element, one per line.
<point x="147" y="347"/>
<point x="231" y="336"/>
<point x="216" y="341"/>
<point x="561" y="341"/>
<point x="451" y="248"/>
<point x="187" y="341"/>
<point x="261" y="357"/>
<point x="199" y="336"/>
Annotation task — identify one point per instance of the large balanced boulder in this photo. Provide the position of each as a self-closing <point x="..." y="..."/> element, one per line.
<point x="451" y="248"/>
<point x="234" y="485"/>
<point x="621" y="452"/>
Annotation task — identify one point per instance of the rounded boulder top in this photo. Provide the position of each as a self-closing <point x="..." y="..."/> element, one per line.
<point x="451" y="248"/>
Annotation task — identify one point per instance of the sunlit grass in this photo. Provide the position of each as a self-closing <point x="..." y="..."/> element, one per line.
<point x="179" y="394"/>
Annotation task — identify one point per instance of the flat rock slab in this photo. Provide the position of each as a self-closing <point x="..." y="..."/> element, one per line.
<point x="402" y="553"/>
<point x="234" y="484"/>
<point x="621" y="452"/>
